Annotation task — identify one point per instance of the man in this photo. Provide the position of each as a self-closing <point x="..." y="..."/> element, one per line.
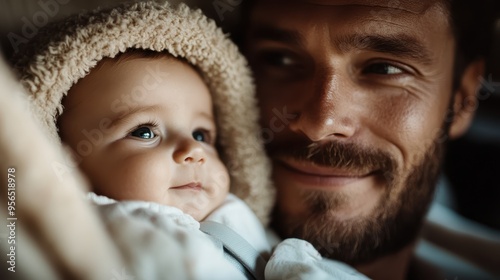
<point x="358" y="99"/>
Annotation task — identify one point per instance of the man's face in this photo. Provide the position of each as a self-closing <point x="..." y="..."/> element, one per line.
<point x="145" y="130"/>
<point x="354" y="101"/>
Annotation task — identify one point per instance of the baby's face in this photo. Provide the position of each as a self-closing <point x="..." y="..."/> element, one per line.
<point x="144" y="130"/>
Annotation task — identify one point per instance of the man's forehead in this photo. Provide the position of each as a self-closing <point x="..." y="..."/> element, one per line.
<point x="412" y="6"/>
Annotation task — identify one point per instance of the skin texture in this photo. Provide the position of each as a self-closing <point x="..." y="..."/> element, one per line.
<point x="357" y="104"/>
<point x="144" y="129"/>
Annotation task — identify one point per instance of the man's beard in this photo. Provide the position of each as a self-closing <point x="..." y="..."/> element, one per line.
<point x="391" y="226"/>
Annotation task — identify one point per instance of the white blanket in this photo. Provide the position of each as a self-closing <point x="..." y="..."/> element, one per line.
<point x="291" y="259"/>
<point x="162" y="242"/>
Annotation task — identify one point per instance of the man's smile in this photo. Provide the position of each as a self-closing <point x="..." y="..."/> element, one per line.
<point x="311" y="175"/>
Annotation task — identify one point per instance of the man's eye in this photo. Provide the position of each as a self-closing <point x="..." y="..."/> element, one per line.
<point x="279" y="59"/>
<point x="383" y="69"/>
<point x="143" y="132"/>
<point x="202" y="136"/>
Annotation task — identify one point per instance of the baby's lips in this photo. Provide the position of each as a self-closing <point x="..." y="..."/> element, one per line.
<point x="195" y="186"/>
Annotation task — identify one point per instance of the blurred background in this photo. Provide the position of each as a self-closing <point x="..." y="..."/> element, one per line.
<point x="470" y="185"/>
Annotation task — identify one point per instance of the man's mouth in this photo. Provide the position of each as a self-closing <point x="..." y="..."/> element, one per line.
<point x="193" y="186"/>
<point x="315" y="176"/>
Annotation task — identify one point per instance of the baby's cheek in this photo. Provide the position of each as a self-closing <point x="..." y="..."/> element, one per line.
<point x="221" y="180"/>
<point x="135" y="176"/>
<point x="217" y="182"/>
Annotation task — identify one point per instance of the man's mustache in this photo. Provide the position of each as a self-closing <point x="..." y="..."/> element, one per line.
<point x="335" y="154"/>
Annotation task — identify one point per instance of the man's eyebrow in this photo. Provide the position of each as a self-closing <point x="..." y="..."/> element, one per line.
<point x="400" y="45"/>
<point x="265" y="32"/>
<point x="121" y="118"/>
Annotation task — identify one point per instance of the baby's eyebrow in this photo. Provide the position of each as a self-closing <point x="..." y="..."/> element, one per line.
<point x="121" y="118"/>
<point x="208" y="117"/>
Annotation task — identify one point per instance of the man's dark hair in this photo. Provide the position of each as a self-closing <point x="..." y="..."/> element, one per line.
<point x="473" y="26"/>
<point x="473" y="23"/>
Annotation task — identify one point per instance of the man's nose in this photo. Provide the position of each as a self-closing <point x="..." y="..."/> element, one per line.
<point x="189" y="151"/>
<point x="324" y="109"/>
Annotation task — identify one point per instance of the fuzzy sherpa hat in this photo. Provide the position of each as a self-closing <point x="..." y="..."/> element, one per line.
<point x="66" y="51"/>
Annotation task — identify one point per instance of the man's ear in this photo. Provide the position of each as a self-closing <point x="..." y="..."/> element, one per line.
<point x="465" y="98"/>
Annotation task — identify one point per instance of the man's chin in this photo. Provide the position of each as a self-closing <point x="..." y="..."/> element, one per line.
<point x="355" y="240"/>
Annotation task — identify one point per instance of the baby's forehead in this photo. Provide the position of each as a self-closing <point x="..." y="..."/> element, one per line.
<point x="107" y="67"/>
<point x="137" y="79"/>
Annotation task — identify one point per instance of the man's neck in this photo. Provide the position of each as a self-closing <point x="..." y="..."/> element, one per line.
<point x="391" y="267"/>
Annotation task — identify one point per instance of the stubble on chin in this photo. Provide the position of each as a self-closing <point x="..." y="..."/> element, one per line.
<point x="389" y="227"/>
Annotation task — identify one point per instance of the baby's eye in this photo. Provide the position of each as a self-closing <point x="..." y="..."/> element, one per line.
<point x="143" y="132"/>
<point x="202" y="136"/>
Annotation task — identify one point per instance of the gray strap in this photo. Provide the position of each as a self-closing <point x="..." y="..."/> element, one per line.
<point x="236" y="249"/>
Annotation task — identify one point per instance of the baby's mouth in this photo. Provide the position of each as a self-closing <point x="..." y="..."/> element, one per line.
<point x="194" y="186"/>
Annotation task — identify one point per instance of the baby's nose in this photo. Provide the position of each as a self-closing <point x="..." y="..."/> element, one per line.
<point x="189" y="152"/>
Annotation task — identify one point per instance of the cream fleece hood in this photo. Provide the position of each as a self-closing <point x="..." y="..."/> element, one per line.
<point x="66" y="51"/>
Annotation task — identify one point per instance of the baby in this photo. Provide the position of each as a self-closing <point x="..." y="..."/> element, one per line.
<point x="160" y="147"/>
<point x="146" y="96"/>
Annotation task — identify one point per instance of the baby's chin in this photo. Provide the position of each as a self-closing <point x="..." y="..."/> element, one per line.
<point x="198" y="211"/>
<point x="197" y="214"/>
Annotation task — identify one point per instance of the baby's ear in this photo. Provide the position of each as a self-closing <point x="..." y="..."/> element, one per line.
<point x="465" y="98"/>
